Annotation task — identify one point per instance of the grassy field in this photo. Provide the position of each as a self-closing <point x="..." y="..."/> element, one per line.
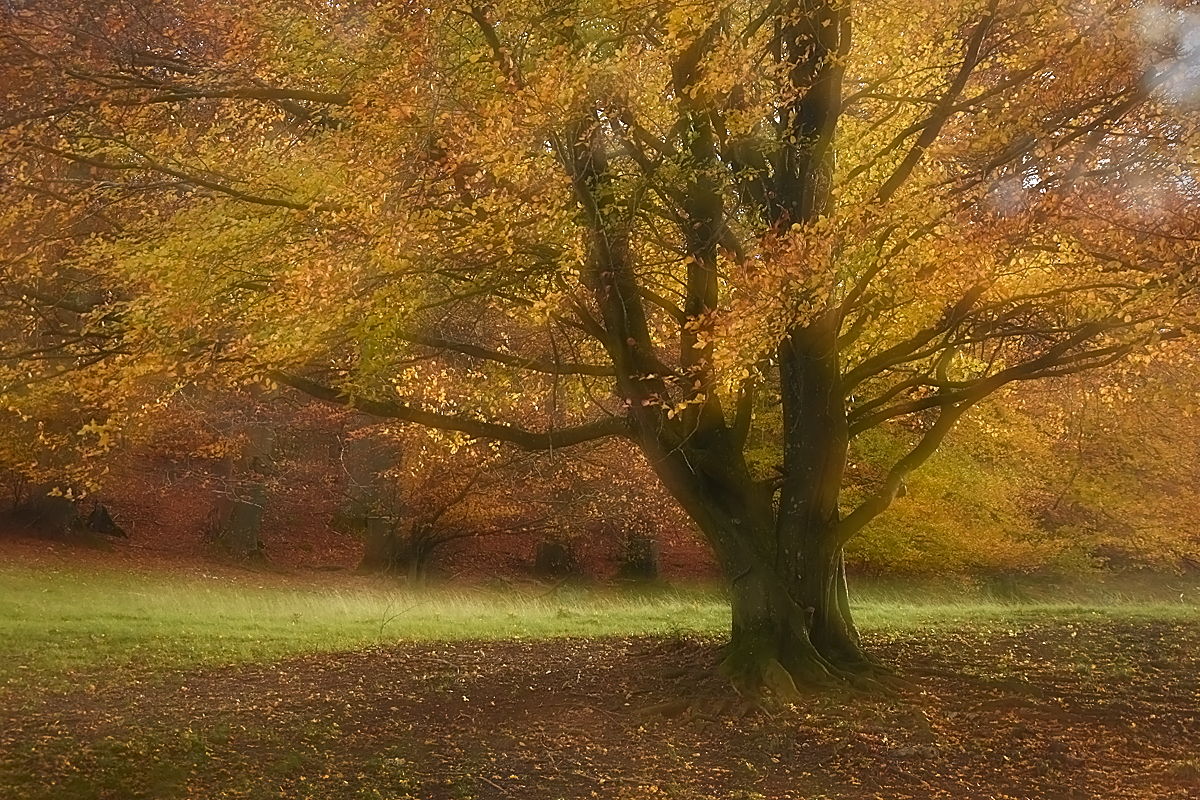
<point x="156" y="685"/>
<point x="67" y="627"/>
<point x="62" y="627"/>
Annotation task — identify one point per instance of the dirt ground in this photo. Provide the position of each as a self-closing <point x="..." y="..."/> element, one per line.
<point x="1073" y="709"/>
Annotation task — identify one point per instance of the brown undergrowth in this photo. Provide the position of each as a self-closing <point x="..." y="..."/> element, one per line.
<point x="1069" y="708"/>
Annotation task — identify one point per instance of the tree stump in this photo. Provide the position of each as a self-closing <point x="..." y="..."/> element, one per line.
<point x="385" y="551"/>
<point x="639" y="559"/>
<point x="555" y="560"/>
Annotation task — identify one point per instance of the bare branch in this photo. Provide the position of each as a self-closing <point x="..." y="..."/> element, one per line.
<point x="150" y="165"/>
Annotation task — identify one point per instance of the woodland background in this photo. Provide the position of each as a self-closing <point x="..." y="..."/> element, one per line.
<point x="1072" y="479"/>
<point x="193" y="452"/>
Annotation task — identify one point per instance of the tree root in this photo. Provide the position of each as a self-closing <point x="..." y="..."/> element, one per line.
<point x="671" y="708"/>
<point x="756" y="679"/>
<point x="757" y="671"/>
<point x="779" y="681"/>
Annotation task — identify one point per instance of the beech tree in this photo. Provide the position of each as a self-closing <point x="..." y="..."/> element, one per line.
<point x="736" y="234"/>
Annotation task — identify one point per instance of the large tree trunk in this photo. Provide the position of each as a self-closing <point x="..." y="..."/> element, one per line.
<point x="235" y="524"/>
<point x="792" y="628"/>
<point x="385" y="549"/>
<point x="815" y="445"/>
<point x="791" y="621"/>
<point x="791" y="625"/>
<point x="399" y="547"/>
<point x="235" y="521"/>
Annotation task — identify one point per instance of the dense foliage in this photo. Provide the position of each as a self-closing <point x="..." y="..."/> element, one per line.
<point x="740" y="236"/>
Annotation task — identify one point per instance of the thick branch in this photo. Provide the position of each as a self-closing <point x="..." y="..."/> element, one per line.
<point x="901" y="352"/>
<point x="938" y="118"/>
<point x="954" y="405"/>
<point x="744" y="412"/>
<point x="180" y="95"/>
<point x="658" y="300"/>
<point x="149" y="165"/>
<point x="1054" y="358"/>
<point x="525" y="439"/>
<point x="504" y="61"/>
<point x="879" y="502"/>
<point x="73" y="304"/>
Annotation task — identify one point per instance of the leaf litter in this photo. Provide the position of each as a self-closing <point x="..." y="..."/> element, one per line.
<point x="1046" y="709"/>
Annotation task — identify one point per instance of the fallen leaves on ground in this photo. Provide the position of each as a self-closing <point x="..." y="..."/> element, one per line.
<point x="1070" y="708"/>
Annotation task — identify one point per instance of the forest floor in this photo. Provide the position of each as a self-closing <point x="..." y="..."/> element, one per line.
<point x="1047" y="711"/>
<point x="1081" y="703"/>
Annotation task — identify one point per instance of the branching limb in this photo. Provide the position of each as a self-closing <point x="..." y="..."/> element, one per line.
<point x="903" y="351"/>
<point x="175" y="94"/>
<point x="146" y="164"/>
<point x="938" y="118"/>
<point x="879" y="502"/>
<point x="525" y="439"/>
<point x="744" y="411"/>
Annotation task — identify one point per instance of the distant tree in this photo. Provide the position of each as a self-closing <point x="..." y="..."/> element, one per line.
<point x="1129" y="453"/>
<point x="715" y="230"/>
<point x="445" y="490"/>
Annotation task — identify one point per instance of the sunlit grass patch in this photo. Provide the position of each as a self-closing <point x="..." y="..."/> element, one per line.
<point x="66" y="628"/>
<point x="962" y="605"/>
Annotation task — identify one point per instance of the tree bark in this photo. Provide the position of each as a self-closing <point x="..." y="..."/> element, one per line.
<point x="791" y="626"/>
<point x="235" y="521"/>
<point x="816" y="443"/>
<point x="398" y="547"/>
<point x="792" y="629"/>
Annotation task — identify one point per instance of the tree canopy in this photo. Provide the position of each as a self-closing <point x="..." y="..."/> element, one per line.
<point x="737" y="234"/>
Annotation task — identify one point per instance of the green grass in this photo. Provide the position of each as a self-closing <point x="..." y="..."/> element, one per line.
<point x="948" y="605"/>
<point x="67" y="628"/>
<point x="984" y="617"/>
<point x="60" y="628"/>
